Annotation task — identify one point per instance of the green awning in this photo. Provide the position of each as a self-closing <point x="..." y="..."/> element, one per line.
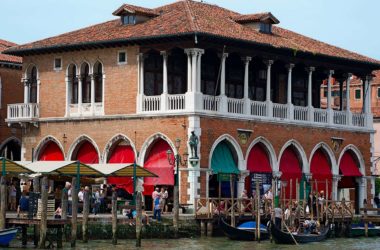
<point x="222" y="161"/>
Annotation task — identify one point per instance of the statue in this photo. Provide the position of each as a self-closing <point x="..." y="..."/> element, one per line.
<point x="193" y="143"/>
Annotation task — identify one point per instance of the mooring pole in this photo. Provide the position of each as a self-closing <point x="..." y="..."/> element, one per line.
<point x="64" y="203"/>
<point x="86" y="211"/>
<point x="138" y="218"/>
<point x="258" y="211"/>
<point x="74" y="215"/>
<point x="43" y="220"/>
<point x="3" y="202"/>
<point x="114" y="217"/>
<point x="232" y="186"/>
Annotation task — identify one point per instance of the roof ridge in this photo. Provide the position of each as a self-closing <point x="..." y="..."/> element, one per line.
<point x="193" y="25"/>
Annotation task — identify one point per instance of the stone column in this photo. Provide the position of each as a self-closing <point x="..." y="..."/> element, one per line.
<point x="199" y="64"/>
<point x="193" y="165"/>
<point x="194" y="72"/>
<point x="164" y="95"/>
<point x="38" y="89"/>
<point x="92" y="94"/>
<point x="247" y="102"/>
<point x="362" y="190"/>
<point x="80" y="95"/>
<point x="189" y="56"/>
<point x="368" y="99"/>
<point x="193" y="94"/>
<point x="140" y="82"/>
<point x="348" y="101"/>
<point x="330" y="114"/>
<point x="310" y="107"/>
<point x="268" y="94"/>
<point x="223" y="97"/>
<point x="68" y="83"/>
<point x="335" y="181"/>
<point x="289" y="92"/>
<point x="241" y="183"/>
<point x="26" y="90"/>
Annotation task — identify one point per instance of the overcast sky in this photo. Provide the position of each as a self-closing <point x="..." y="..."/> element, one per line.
<point x="350" y="24"/>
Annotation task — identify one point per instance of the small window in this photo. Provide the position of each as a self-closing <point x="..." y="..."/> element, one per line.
<point x="266" y="28"/>
<point x="122" y="57"/>
<point x="57" y="63"/>
<point x="358" y="94"/>
<point x="378" y="93"/>
<point x="128" y="19"/>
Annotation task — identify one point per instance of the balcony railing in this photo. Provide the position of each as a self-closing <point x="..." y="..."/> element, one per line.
<point x="23" y="112"/>
<point x="246" y="109"/>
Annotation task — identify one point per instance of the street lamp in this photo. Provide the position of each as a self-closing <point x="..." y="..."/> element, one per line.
<point x="176" y="161"/>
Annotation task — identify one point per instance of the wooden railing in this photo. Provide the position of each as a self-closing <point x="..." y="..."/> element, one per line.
<point x="211" y="207"/>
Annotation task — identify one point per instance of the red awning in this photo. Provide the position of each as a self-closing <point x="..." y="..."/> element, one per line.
<point x="51" y="152"/>
<point x="258" y="160"/>
<point x="348" y="166"/>
<point x="291" y="170"/>
<point x="321" y="171"/>
<point x="122" y="154"/>
<point x="87" y="154"/>
<point x="157" y="162"/>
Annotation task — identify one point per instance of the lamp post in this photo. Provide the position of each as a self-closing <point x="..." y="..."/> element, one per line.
<point x="175" y="162"/>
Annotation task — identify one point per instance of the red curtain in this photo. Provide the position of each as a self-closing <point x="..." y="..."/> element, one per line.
<point x="157" y="162"/>
<point x="122" y="154"/>
<point x="321" y="171"/>
<point x="258" y="162"/>
<point x="51" y="152"/>
<point x="87" y="154"/>
<point x="291" y="170"/>
<point x="348" y="166"/>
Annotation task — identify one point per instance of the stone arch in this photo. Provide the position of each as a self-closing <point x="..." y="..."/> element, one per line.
<point x="301" y="154"/>
<point x="267" y="146"/>
<point x="114" y="141"/>
<point x="329" y="153"/>
<point x="83" y="64"/>
<point x="28" y="70"/>
<point x="77" y="143"/>
<point x="358" y="156"/>
<point x="11" y="139"/>
<point x="234" y="144"/>
<point x="41" y="146"/>
<point x="148" y="142"/>
<point x="69" y="67"/>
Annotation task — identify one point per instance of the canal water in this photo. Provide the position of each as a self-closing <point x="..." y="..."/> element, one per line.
<point x="223" y="243"/>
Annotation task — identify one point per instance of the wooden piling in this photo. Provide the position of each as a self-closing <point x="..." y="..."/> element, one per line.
<point x="24" y="236"/>
<point x="36" y="189"/>
<point x="203" y="228"/>
<point x="86" y="211"/>
<point x="74" y="215"/>
<point x="232" y="186"/>
<point x="36" y="185"/>
<point x="43" y="222"/>
<point x="209" y="228"/>
<point x="59" y="237"/>
<point x="258" y="211"/>
<point x="64" y="203"/>
<point x="138" y="218"/>
<point x="3" y="202"/>
<point x="114" y="217"/>
<point x="176" y="209"/>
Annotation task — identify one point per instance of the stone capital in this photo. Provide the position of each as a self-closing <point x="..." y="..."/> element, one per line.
<point x="246" y="59"/>
<point x="290" y="66"/>
<point x="268" y="62"/>
<point x="337" y="177"/>
<point x="194" y="51"/>
<point x="310" y="69"/>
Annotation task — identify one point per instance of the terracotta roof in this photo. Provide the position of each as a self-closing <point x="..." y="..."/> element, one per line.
<point x="256" y="18"/>
<point x="8" y="58"/>
<point x="190" y="17"/>
<point x="129" y="8"/>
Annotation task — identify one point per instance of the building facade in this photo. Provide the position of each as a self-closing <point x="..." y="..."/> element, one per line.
<point x="133" y="88"/>
<point x="11" y="91"/>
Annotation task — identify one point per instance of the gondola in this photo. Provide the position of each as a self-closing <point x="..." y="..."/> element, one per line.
<point x="7" y="235"/>
<point x="242" y="233"/>
<point x="281" y="237"/>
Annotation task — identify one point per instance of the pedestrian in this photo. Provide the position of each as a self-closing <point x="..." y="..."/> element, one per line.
<point x="96" y="201"/>
<point x="277" y="217"/>
<point x="23" y="206"/>
<point x="12" y="197"/>
<point x="157" y="208"/>
<point x="69" y="198"/>
<point x="164" y="197"/>
<point x="377" y="203"/>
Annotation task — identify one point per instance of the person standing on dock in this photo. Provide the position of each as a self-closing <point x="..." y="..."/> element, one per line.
<point x="377" y="203"/>
<point x="157" y="207"/>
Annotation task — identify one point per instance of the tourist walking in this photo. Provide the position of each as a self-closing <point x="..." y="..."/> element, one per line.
<point x="96" y="201"/>
<point x="157" y="208"/>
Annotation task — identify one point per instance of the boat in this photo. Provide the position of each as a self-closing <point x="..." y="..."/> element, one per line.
<point x="245" y="231"/>
<point x="281" y="237"/>
<point x="358" y="230"/>
<point x="7" y="235"/>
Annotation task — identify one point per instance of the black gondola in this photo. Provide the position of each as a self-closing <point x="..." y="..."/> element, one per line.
<point x="241" y="234"/>
<point x="281" y="237"/>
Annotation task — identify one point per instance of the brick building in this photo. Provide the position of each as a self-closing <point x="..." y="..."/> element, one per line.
<point x="129" y="88"/>
<point x="11" y="91"/>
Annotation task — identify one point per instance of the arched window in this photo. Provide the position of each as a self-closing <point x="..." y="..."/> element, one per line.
<point x="153" y="67"/>
<point x="33" y="85"/>
<point x="209" y="73"/>
<point x="234" y="77"/>
<point x="98" y="78"/>
<point x="177" y="68"/>
<point x="86" y="83"/>
<point x="73" y="83"/>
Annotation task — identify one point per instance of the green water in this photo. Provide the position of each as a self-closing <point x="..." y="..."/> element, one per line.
<point x="223" y="243"/>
